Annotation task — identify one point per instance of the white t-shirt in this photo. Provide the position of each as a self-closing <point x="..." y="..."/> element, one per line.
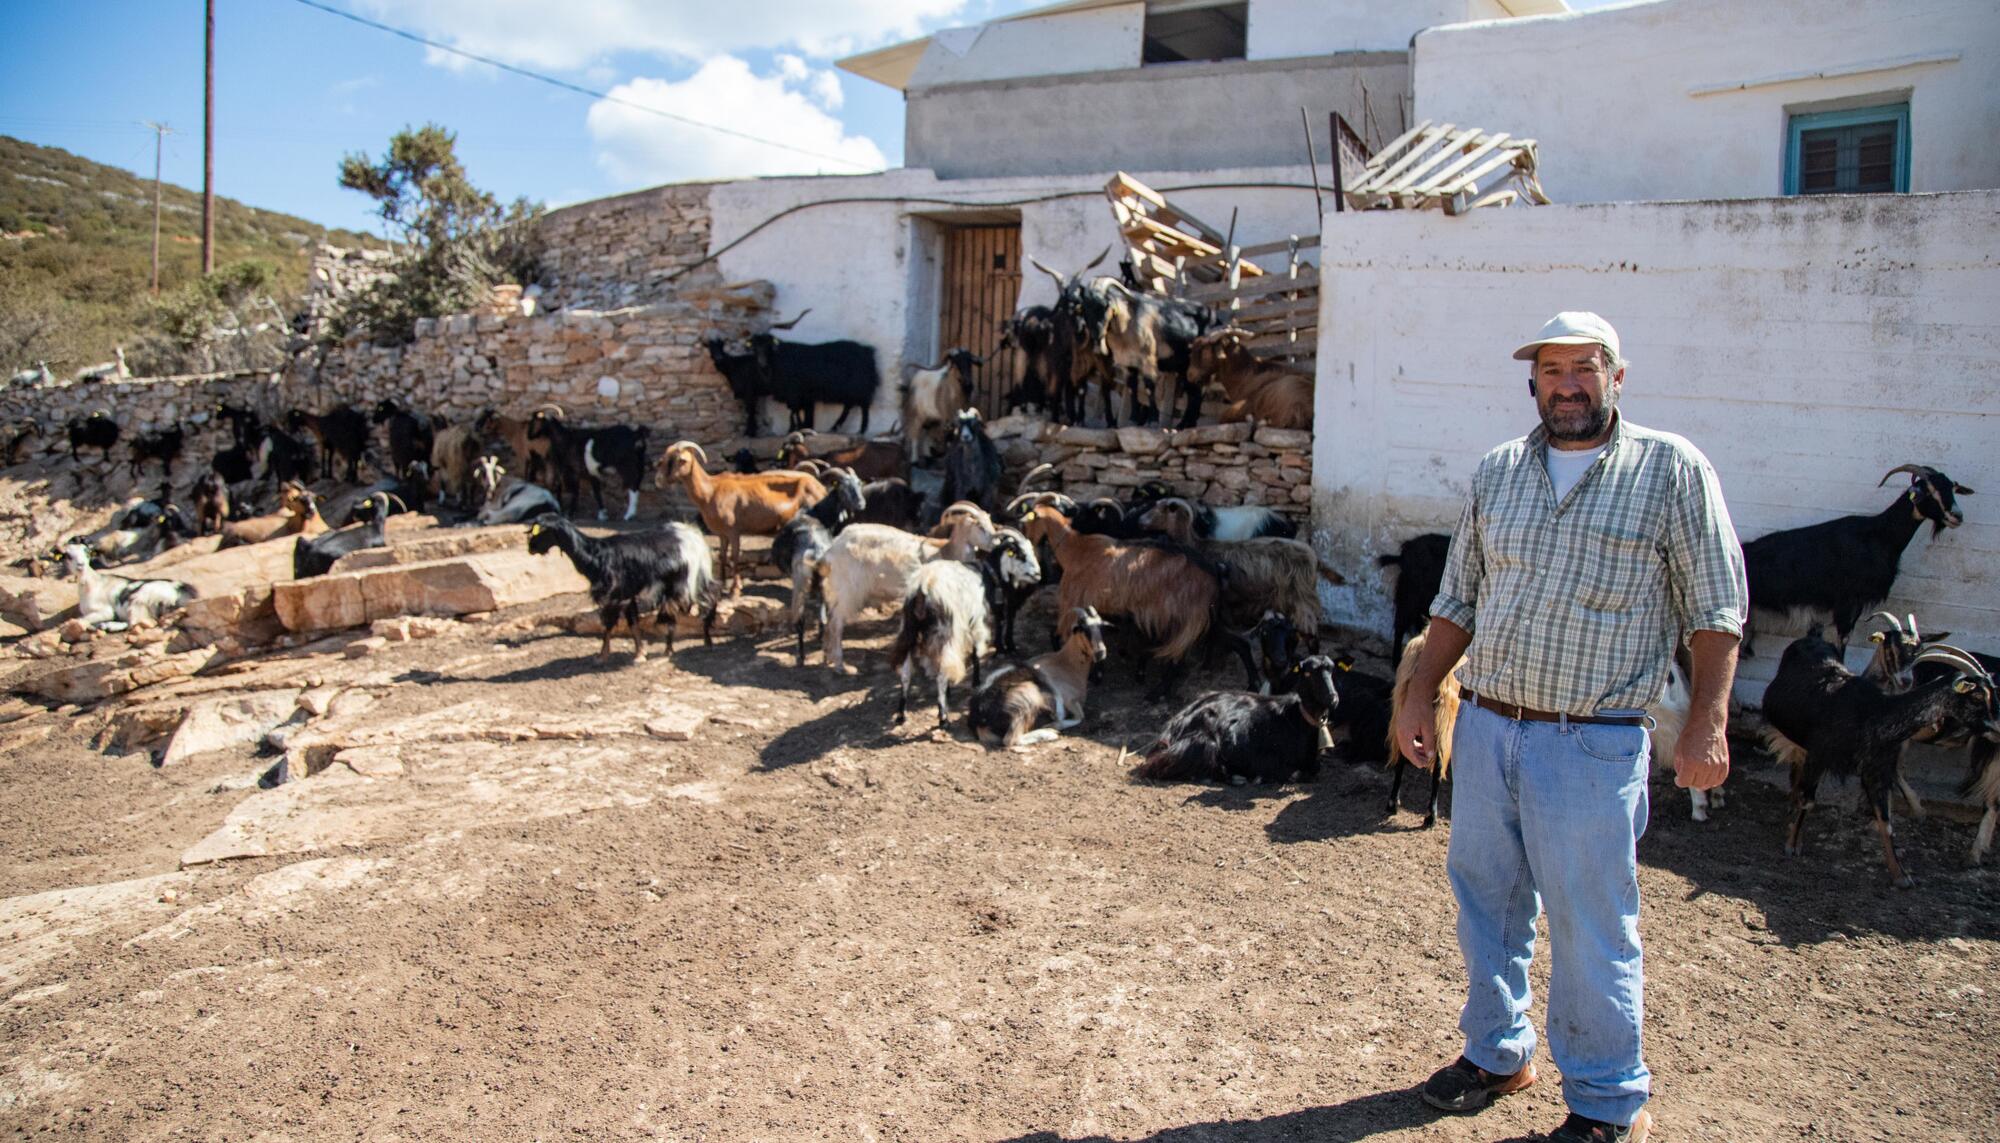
<point x="1567" y="466"/>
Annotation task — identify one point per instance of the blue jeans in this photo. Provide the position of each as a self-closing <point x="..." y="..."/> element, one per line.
<point x="1552" y="812"/>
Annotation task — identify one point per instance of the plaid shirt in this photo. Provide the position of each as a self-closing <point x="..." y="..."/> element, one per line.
<point x="1576" y="607"/>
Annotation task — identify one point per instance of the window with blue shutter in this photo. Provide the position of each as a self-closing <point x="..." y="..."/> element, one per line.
<point x="1862" y="151"/>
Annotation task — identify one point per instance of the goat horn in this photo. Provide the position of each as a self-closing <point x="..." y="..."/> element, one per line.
<point x="1092" y="264"/>
<point x="1913" y="626"/>
<point x="1946" y="653"/>
<point x="1913" y="469"/>
<point x="689" y="445"/>
<point x="793" y="322"/>
<point x="1893" y="621"/>
<point x="388" y="496"/>
<point x="547" y="405"/>
<point x="1061" y="282"/>
<point x="1032" y="475"/>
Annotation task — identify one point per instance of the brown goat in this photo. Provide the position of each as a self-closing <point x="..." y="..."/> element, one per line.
<point x="868" y="460"/>
<point x="297" y="515"/>
<point x="530" y="455"/>
<point x="1265" y="574"/>
<point x="734" y="503"/>
<point x="1169" y="593"/>
<point x="454" y="452"/>
<point x="1444" y="706"/>
<point x="1269" y="394"/>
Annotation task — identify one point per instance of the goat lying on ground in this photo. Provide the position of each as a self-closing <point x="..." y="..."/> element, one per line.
<point x="508" y="499"/>
<point x="297" y="515"/>
<point x="1232" y="737"/>
<point x="1258" y="390"/>
<point x="316" y="555"/>
<point x="1012" y="699"/>
<point x="114" y="603"/>
<point x="663" y="573"/>
<point x="1826" y="720"/>
<point x="945" y="627"/>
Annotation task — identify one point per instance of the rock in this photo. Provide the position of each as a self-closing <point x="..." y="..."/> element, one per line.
<point x="218" y="724"/>
<point x="481" y="582"/>
<point x="393" y="630"/>
<point x="438" y="544"/>
<point x="675" y="724"/>
<point x="1233" y="433"/>
<point x="1141" y="441"/>
<point x="36" y="602"/>
<point x="316" y="701"/>
<point x="1284" y="438"/>
<point x="76" y="631"/>
<point x="139" y="727"/>
<point x="373" y="761"/>
<point x="101" y="678"/>
<point x="364" y="647"/>
<point x="1090" y="438"/>
<point x="1014" y="425"/>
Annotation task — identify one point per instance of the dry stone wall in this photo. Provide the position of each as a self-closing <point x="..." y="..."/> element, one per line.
<point x="618" y="252"/>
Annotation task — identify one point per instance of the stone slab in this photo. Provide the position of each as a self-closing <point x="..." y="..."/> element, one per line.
<point x="483" y="582"/>
<point x="235" y="720"/>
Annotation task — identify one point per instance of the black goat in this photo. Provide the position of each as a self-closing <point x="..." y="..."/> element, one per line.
<point x="1032" y="331"/>
<point x="746" y="377"/>
<point x="1228" y="736"/>
<point x="96" y="431"/>
<point x="803" y="539"/>
<point x="580" y="454"/>
<point x="410" y="435"/>
<point x="892" y="502"/>
<point x="1844" y="567"/>
<point x="342" y="433"/>
<point x="245" y="426"/>
<point x="283" y="457"/>
<point x="1363" y="713"/>
<point x="316" y="556"/>
<point x="659" y="572"/>
<point x="1827" y="720"/>
<point x="972" y="465"/>
<point x="742" y="461"/>
<point x="1420" y="570"/>
<point x="808" y="374"/>
<point x="1012" y="574"/>
<point x="163" y="445"/>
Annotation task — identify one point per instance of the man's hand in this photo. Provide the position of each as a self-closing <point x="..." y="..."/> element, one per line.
<point x="1701" y="758"/>
<point x="1416" y="732"/>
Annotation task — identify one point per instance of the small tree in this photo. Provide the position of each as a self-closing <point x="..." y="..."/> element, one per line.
<point x="458" y="240"/>
<point x="227" y="320"/>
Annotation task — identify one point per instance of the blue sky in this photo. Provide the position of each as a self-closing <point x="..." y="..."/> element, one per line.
<point x="297" y="88"/>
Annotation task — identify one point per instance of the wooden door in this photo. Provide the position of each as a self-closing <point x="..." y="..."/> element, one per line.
<point x="982" y="279"/>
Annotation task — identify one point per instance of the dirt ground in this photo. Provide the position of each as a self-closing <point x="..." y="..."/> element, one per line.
<point x="803" y="923"/>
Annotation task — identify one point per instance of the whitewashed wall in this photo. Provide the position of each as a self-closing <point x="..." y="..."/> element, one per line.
<point x="1093" y="39"/>
<point x="1805" y="345"/>
<point x="1281" y="29"/>
<point x="868" y="273"/>
<point x="1621" y="102"/>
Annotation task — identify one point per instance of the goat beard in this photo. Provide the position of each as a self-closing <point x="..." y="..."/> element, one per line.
<point x="1578" y="420"/>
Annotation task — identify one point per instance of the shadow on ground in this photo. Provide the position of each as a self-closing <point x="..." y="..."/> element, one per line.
<point x="1360" y="1118"/>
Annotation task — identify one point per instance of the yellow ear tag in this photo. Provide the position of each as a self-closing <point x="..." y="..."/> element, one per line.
<point x="1877" y="637"/>
<point x="534" y="529"/>
<point x="1964" y="686"/>
<point x="1325" y="738"/>
<point x="1345" y="666"/>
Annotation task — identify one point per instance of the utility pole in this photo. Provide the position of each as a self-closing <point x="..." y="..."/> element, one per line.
<point x="160" y="133"/>
<point x="208" y="148"/>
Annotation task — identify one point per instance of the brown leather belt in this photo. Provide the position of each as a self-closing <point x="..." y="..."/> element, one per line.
<point x="1529" y="714"/>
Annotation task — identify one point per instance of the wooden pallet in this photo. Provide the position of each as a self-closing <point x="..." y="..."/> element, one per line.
<point x="1441" y="165"/>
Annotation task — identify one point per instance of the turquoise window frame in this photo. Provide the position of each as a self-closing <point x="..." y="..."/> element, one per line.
<point x="1801" y="122"/>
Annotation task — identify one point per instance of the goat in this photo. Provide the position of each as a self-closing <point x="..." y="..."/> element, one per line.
<point x="1268" y="573"/>
<point x="316" y="555"/>
<point x="297" y="515"/>
<point x="580" y="454"/>
<point x="140" y="540"/>
<point x="211" y="503"/>
<point x="745" y="375"/>
<point x="115" y="603"/>
<point x="734" y="504"/>
<point x="1824" y="719"/>
<point x="163" y="445"/>
<point x="96" y="431"/>
<point x="39" y="375"/>
<point x="115" y="369"/>
<point x="869" y="460"/>
<point x="1444" y="713"/>
<point x="804" y="540"/>
<point x="411" y="437"/>
<point x="840" y="373"/>
<point x="236" y="464"/>
<point x="284" y="457"/>
<point x="1366" y="702"/>
<point x="972" y="464"/>
<point x="869" y="564"/>
<point x="509" y="500"/>
<point x="1170" y="593"/>
<point x="1420" y="571"/>
<point x="531" y="454"/>
<point x="1265" y="392"/>
<point x="1012" y="574"/>
<point x="1009" y="702"/>
<point x="454" y="455"/>
<point x="932" y="396"/>
<point x="1844" y="567"/>
<point x="1232" y="737"/>
<point x="662" y="572"/>
<point x="743" y="461"/>
<point x="341" y="432"/>
<point x="1032" y="331"/>
<point x="353" y="505"/>
<point x="892" y="502"/>
<point x="1139" y="332"/>
<point x="944" y="623"/>
<point x="21" y="433"/>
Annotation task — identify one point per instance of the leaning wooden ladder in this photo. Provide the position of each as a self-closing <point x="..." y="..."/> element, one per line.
<point x="1441" y="165"/>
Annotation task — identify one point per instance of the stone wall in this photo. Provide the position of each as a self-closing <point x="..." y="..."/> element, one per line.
<point x="139" y="404"/>
<point x="617" y="252"/>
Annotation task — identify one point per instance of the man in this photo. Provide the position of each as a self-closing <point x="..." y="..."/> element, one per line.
<point x="1585" y="549"/>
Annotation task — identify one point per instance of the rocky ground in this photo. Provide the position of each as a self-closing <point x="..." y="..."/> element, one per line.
<point x="514" y="893"/>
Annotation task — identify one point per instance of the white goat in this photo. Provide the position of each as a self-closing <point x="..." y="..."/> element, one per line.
<point x="1670" y="715"/>
<point x="509" y="499"/>
<point x="934" y="396"/>
<point x="946" y="627"/>
<point x="868" y="565"/>
<point x="114" y="603"/>
<point x="115" y="369"/>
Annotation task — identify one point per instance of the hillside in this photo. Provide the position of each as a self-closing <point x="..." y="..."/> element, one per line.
<point x="75" y="250"/>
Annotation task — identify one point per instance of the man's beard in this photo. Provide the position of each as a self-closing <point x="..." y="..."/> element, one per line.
<point x="1578" y="420"/>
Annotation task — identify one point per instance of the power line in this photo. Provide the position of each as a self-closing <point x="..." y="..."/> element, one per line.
<point x="579" y="89"/>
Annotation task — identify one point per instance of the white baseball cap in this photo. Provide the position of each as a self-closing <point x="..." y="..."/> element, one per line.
<point x="1572" y="327"/>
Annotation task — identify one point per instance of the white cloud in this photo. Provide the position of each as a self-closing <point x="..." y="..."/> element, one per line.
<point x="575" y="34"/>
<point x="635" y="148"/>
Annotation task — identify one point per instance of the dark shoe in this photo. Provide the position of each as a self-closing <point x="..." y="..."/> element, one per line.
<point x="1577" y="1129"/>
<point x="1465" y="1086"/>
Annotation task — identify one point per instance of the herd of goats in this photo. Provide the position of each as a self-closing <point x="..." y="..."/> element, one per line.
<point x="921" y="522"/>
